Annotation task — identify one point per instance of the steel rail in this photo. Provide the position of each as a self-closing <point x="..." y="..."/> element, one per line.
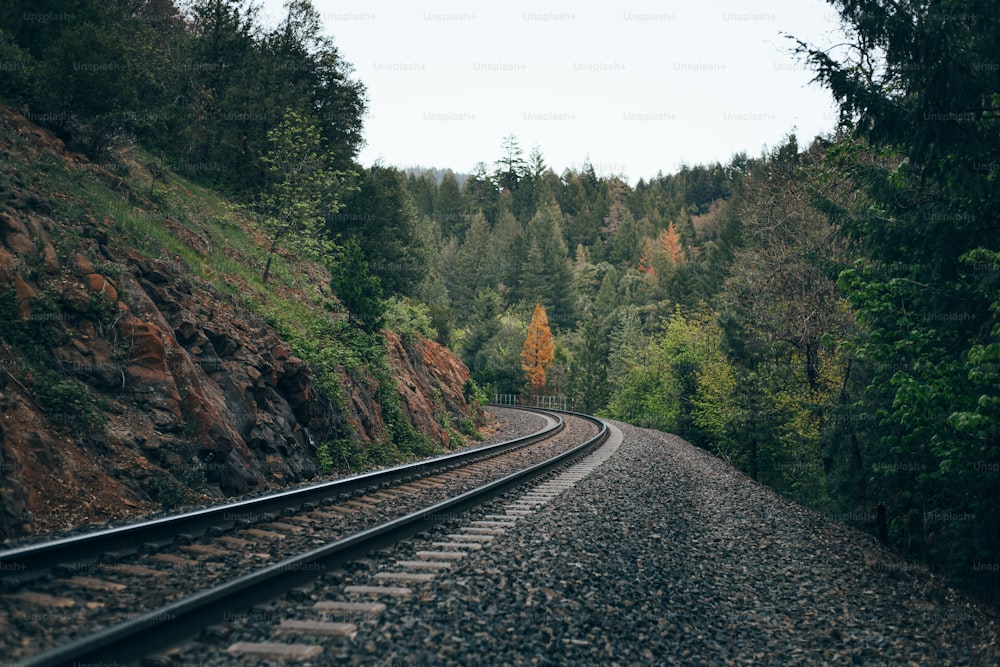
<point x="164" y="627"/>
<point x="20" y="565"/>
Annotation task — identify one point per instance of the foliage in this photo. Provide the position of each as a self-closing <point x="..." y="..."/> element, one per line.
<point x="203" y="86"/>
<point x="408" y="318"/>
<point x="476" y="395"/>
<point x="538" y="350"/>
<point x="920" y="116"/>
<point x="301" y="188"/>
<point x="357" y="288"/>
<point x="67" y="403"/>
<point x="379" y="214"/>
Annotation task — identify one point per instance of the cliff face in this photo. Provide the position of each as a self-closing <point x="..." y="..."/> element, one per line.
<point x="127" y="383"/>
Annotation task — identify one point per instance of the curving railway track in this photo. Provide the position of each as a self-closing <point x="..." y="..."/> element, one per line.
<point x="124" y="593"/>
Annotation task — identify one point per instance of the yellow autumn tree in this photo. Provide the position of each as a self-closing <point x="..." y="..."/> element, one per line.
<point x="538" y="350"/>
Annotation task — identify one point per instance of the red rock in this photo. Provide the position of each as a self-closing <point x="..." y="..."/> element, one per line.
<point x="76" y="299"/>
<point x="98" y="283"/>
<point x="25" y="295"/>
<point x="146" y="340"/>
<point x="50" y="259"/>
<point x="16" y="235"/>
<point x="8" y="266"/>
<point x="82" y="265"/>
<point x="430" y="380"/>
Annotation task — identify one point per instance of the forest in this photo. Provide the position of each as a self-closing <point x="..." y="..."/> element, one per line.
<point x="823" y="316"/>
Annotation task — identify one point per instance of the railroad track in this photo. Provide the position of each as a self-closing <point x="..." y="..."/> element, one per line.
<point x="122" y="593"/>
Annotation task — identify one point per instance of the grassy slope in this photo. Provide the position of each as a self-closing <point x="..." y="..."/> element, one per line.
<point x="158" y="214"/>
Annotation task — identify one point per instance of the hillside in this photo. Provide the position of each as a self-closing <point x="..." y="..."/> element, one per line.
<point x="143" y="363"/>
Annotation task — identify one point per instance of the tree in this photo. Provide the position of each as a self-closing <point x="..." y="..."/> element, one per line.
<point x="921" y="117"/>
<point x="468" y="272"/>
<point x="511" y="167"/>
<point x="783" y="283"/>
<point x="538" y="350"/>
<point x="670" y="245"/>
<point x="357" y="288"/>
<point x="625" y="235"/>
<point x="481" y="193"/>
<point x="449" y="209"/>
<point x="582" y="224"/>
<point x="381" y="215"/>
<point x="302" y="188"/>
<point x="589" y="372"/>
<point x="508" y="253"/>
<point x="547" y="273"/>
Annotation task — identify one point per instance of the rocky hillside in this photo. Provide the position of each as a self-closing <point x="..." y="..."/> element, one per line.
<point x="144" y="365"/>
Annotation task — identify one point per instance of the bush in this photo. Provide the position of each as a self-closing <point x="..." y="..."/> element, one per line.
<point x="408" y="318"/>
<point x="67" y="402"/>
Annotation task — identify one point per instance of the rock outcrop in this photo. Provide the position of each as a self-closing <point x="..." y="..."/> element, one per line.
<point x="431" y="383"/>
<point x="148" y="386"/>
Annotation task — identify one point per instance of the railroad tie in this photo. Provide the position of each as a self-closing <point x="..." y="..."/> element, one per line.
<point x="308" y="627"/>
<point x="275" y="650"/>
<point x="95" y="584"/>
<point x="351" y="609"/>
<point x="391" y="591"/>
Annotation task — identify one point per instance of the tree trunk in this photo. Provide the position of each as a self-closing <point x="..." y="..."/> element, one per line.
<point x="812" y="364"/>
<point x="883" y="524"/>
<point x="270" y="256"/>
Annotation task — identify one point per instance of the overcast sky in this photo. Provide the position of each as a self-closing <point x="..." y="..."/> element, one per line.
<point x="635" y="87"/>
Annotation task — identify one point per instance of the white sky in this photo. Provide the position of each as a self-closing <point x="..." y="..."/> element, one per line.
<point x="636" y="86"/>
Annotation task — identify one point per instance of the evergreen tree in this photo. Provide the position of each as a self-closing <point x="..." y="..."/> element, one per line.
<point x="509" y="252"/>
<point x="511" y="167"/>
<point x="380" y="214"/>
<point x="926" y="134"/>
<point x="547" y="274"/>
<point x="588" y="375"/>
<point x="423" y="191"/>
<point x="583" y="225"/>
<point x="484" y="324"/>
<point x="449" y="209"/>
<point x="607" y="300"/>
<point x="357" y="288"/>
<point x="468" y="273"/>
<point x="481" y="193"/>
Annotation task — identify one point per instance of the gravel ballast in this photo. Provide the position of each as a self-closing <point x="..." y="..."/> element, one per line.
<point x="666" y="555"/>
<point x="28" y="626"/>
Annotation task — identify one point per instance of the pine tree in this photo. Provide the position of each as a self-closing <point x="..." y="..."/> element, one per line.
<point x="511" y="168"/>
<point x="469" y="272"/>
<point x="589" y="372"/>
<point x="538" y="350"/>
<point x="481" y="194"/>
<point x="547" y="275"/>
<point x="509" y="252"/>
<point x="357" y="288"/>
<point x="449" y="209"/>
<point x="646" y="260"/>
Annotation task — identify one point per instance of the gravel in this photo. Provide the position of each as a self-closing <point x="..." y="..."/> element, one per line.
<point x="667" y="556"/>
<point x="26" y="627"/>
